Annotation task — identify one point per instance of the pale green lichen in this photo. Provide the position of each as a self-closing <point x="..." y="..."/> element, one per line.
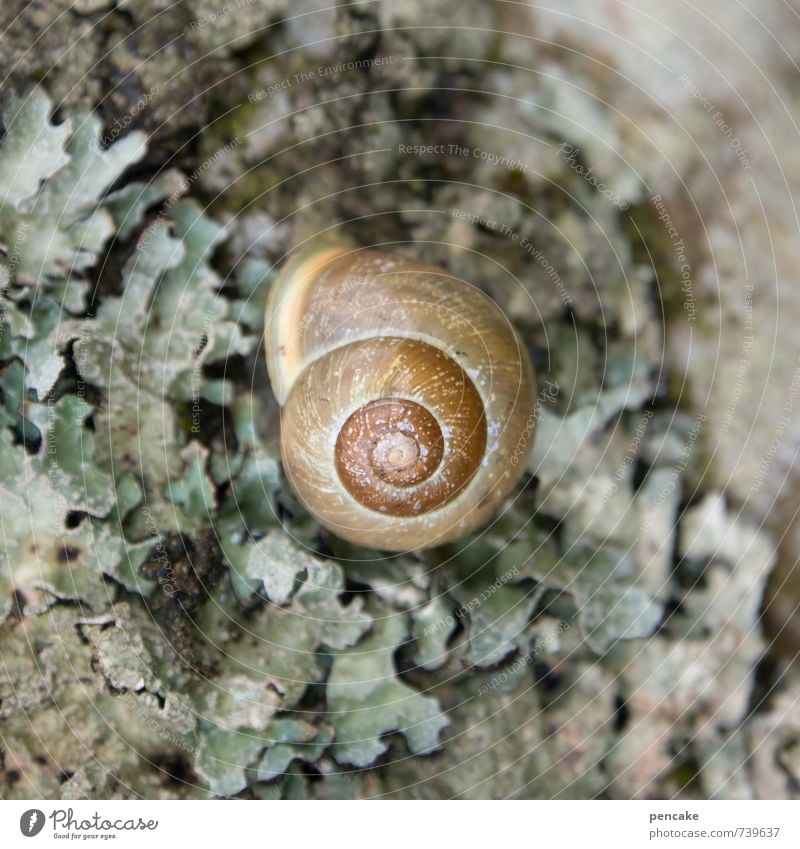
<point x="367" y="701"/>
<point x="52" y="181"/>
<point x="158" y="579"/>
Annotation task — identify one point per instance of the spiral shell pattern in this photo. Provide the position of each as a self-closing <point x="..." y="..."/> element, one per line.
<point x="404" y="391"/>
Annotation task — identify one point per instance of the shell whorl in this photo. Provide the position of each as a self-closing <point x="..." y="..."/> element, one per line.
<point x="404" y="392"/>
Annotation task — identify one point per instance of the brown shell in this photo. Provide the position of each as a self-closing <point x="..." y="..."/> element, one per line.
<point x="405" y="392"/>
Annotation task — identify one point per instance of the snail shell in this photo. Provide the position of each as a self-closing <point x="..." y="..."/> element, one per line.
<point x="407" y="396"/>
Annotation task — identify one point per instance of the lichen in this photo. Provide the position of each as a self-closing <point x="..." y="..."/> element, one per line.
<point x="167" y="604"/>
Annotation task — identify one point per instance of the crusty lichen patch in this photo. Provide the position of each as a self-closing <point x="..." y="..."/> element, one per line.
<point x="173" y="624"/>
